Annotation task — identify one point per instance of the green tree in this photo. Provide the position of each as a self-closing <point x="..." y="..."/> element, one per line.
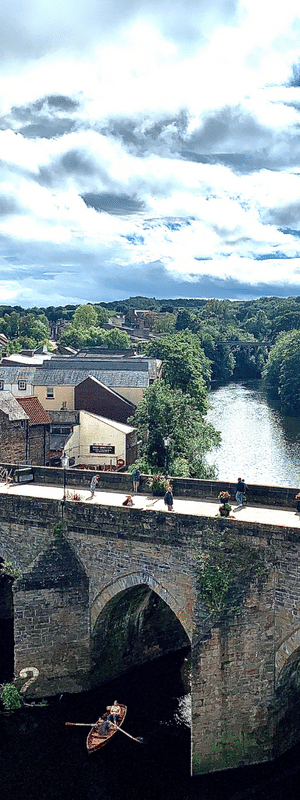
<point x="282" y="372"/>
<point x="103" y="315"/>
<point x="163" y="412"/>
<point x="185" y="365"/>
<point x="85" y="316"/>
<point x="184" y="320"/>
<point x="117" y="339"/>
<point x="72" y="337"/>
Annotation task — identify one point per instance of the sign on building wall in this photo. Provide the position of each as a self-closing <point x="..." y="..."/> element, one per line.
<point x="102" y="448"/>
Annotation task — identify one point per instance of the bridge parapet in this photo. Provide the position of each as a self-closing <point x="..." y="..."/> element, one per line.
<point x="257" y="494"/>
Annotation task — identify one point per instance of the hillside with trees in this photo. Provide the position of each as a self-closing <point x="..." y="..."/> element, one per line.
<point x="236" y="338"/>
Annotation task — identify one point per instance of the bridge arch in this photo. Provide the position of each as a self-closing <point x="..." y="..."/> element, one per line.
<point x="127" y="582"/>
<point x="133" y="620"/>
<point x="285" y="650"/>
<point x="286" y="707"/>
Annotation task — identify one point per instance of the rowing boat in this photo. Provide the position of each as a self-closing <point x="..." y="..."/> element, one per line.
<point x="103" y="730"/>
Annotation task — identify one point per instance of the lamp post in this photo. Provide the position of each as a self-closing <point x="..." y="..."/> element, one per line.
<point x="64" y="463"/>
<point x="166" y="446"/>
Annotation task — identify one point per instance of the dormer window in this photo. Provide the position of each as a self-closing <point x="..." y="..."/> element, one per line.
<point x="50" y="392"/>
<point x="1" y="385"/>
<point x="22" y="385"/>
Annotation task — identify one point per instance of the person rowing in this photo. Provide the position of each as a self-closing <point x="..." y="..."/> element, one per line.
<point x="114" y="712"/>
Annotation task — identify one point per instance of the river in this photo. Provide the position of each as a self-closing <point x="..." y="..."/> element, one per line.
<point x="41" y="759"/>
<point x="259" y="443"/>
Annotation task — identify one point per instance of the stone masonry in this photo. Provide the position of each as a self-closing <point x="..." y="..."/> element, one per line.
<point x="91" y="571"/>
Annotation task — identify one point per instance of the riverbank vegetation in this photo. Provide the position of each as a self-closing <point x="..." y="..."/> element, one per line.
<point x="201" y="342"/>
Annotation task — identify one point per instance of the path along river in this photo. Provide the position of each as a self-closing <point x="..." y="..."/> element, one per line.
<point x="259" y="443"/>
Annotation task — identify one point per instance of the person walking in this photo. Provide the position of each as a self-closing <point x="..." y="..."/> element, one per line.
<point x="169" y="499"/>
<point x="136" y="477"/>
<point x="93" y="485"/>
<point x="239" y="491"/>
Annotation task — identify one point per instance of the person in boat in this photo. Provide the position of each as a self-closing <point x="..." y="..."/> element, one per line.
<point x="102" y="727"/>
<point x="114" y="712"/>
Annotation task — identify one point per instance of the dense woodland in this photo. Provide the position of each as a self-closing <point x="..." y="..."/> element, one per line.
<point x="200" y="342"/>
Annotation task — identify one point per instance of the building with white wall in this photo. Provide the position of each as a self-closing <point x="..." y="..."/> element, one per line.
<point x="101" y="443"/>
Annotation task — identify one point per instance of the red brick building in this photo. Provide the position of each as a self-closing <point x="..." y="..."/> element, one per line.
<point x="91" y="395"/>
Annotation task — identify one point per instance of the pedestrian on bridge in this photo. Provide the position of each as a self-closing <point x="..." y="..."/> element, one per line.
<point x="239" y="491"/>
<point x="93" y="485"/>
<point x="168" y="498"/>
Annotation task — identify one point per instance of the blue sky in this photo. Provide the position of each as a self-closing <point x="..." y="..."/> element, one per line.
<point x="149" y="148"/>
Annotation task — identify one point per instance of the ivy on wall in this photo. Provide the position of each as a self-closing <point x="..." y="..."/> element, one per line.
<point x="7" y="568"/>
<point x="225" y="569"/>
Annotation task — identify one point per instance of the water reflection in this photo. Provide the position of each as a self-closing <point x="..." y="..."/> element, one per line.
<point x="258" y="442"/>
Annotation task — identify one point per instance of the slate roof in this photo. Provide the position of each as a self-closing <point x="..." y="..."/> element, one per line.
<point x="93" y="364"/>
<point x="15" y="374"/>
<point x="71" y="377"/>
<point x="36" y="413"/>
<point x="10" y="406"/>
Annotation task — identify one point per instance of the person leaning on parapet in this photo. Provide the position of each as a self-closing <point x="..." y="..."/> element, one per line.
<point x="239" y="491"/>
<point x="136" y="477"/>
<point x="93" y="484"/>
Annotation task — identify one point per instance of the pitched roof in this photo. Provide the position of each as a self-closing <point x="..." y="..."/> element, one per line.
<point x="10" y="406"/>
<point x="71" y="377"/>
<point x="14" y="374"/>
<point x="119" y="426"/>
<point x="36" y="413"/>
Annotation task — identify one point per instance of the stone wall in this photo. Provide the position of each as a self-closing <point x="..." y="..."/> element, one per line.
<point x="133" y="571"/>
<point x="282" y="497"/>
<point x="12" y="439"/>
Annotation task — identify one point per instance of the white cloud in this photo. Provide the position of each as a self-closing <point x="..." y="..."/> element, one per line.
<point x="158" y="90"/>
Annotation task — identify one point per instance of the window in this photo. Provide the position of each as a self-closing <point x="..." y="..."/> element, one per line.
<point x="22" y="385"/>
<point x="57" y="431"/>
<point x="22" y="423"/>
<point x="1" y="385"/>
<point x="50" y="391"/>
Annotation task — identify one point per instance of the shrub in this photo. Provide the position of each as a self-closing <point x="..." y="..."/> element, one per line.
<point x="11" y="698"/>
<point x="159" y="486"/>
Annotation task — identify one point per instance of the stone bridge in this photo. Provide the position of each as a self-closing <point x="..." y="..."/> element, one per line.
<point x="101" y="579"/>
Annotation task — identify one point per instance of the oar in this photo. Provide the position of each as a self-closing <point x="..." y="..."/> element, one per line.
<point x="135" y="738"/>
<point x="92" y="724"/>
<point x="82" y="724"/>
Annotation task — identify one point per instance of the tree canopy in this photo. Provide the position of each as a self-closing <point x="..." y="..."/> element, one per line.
<point x="282" y="372"/>
<point x="164" y="412"/>
<point x="185" y="365"/>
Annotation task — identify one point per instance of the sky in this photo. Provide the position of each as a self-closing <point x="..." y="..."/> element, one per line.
<point x="149" y="148"/>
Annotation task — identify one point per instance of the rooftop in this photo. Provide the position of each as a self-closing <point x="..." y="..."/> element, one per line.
<point x="36" y="413"/>
<point x="10" y="406"/>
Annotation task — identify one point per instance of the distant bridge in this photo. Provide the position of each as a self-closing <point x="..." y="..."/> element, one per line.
<point x="248" y="345"/>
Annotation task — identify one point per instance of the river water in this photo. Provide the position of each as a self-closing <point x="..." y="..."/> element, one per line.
<point x="41" y="759"/>
<point x="259" y="443"/>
